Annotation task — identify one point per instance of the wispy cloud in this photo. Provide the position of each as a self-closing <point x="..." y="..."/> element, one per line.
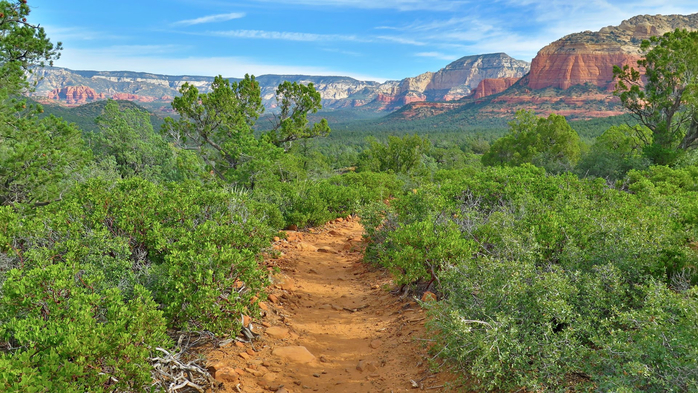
<point x="437" y="55"/>
<point x="401" y="40"/>
<point x="310" y="37"/>
<point x="59" y="33"/>
<point x="400" y="5"/>
<point x="283" y="35"/>
<point x="343" y="52"/>
<point x="210" y="19"/>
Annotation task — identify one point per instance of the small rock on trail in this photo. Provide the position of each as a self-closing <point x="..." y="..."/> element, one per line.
<point x="297" y="354"/>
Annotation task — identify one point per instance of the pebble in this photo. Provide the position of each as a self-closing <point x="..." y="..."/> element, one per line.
<point x="227" y="374"/>
<point x="326" y="250"/>
<point x="376" y="344"/>
<point x="296" y="354"/>
<point x="306" y="247"/>
<point x="277" y="332"/>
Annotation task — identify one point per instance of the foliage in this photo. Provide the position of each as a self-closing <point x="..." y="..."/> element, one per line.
<point x="85" y="116"/>
<point x="295" y="102"/>
<point x="664" y="99"/>
<point x="399" y="155"/>
<point x="552" y="283"/>
<point x="67" y="336"/>
<point x="22" y="45"/>
<point x="35" y="155"/>
<point x="219" y="124"/>
<point x="305" y="203"/>
<point x="128" y="136"/>
<point x="549" y="142"/>
<point x="615" y="152"/>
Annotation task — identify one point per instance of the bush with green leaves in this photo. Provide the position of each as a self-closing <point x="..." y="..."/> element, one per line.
<point x="314" y="202"/>
<point x="89" y="284"/>
<point x="546" y="142"/>
<point x="64" y="334"/>
<point x="552" y="283"/>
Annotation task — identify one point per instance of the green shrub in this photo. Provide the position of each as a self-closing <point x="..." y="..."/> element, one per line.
<point x="552" y="283"/>
<point x="66" y="336"/>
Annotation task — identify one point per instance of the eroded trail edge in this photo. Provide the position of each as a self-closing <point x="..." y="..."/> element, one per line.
<point x="331" y="325"/>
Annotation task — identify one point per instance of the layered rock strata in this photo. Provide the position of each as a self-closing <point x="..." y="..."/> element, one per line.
<point x="589" y="57"/>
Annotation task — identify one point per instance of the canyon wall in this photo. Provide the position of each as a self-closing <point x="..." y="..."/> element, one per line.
<point x="589" y="57"/>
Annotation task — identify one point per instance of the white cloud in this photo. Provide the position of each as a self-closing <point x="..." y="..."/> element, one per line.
<point x="210" y="19"/>
<point x="437" y="55"/>
<point x="58" y="33"/>
<point x="283" y="35"/>
<point x="402" y="40"/>
<point x="228" y="66"/>
<point x="400" y="5"/>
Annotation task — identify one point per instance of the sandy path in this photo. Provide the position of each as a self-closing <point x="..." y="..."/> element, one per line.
<point x="331" y="325"/>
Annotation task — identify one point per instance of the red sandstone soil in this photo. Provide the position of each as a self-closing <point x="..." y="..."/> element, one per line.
<point x="332" y="325"/>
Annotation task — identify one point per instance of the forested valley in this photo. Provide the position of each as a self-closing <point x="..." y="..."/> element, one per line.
<point x="564" y="257"/>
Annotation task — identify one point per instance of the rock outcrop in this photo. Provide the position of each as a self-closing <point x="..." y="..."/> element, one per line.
<point x="488" y="87"/>
<point x="589" y="57"/>
<point x="75" y="95"/>
<point x="456" y="80"/>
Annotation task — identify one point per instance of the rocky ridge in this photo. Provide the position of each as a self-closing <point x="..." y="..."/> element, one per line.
<point x="589" y="57"/>
<point x="75" y="95"/>
<point x="456" y="80"/>
<point x="572" y="76"/>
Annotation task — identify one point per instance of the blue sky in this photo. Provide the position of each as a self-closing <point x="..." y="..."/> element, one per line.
<point x="365" y="39"/>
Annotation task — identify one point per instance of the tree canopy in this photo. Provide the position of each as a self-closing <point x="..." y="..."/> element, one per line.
<point x="219" y="125"/>
<point x="35" y="155"/>
<point x="665" y="97"/>
<point x="547" y="141"/>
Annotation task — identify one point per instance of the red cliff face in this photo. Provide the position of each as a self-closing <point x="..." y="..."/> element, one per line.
<point x="589" y="65"/>
<point x="75" y="95"/>
<point x="589" y="57"/>
<point x="488" y="87"/>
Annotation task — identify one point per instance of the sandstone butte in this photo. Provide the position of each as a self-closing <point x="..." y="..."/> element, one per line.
<point x="73" y="95"/>
<point x="488" y="87"/>
<point x="457" y="80"/>
<point x="589" y="57"/>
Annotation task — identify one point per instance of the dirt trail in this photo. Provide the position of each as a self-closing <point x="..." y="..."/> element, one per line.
<point x="330" y="325"/>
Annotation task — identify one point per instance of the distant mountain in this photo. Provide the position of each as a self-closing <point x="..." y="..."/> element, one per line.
<point x="456" y="80"/>
<point x="589" y="57"/>
<point x="572" y="76"/>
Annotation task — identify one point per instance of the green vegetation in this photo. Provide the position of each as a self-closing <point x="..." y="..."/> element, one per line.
<point x="665" y="99"/>
<point x="549" y="141"/>
<point x="114" y="237"/>
<point x="549" y="282"/>
<point x="560" y="262"/>
<point x="84" y="116"/>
